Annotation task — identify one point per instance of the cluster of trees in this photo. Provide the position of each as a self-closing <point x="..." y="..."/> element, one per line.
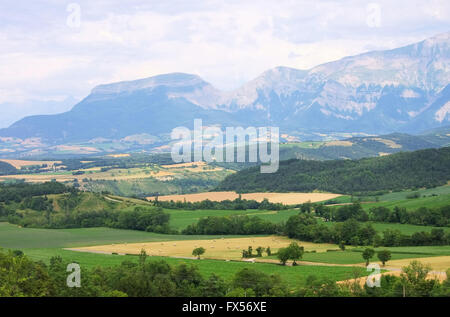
<point x="383" y="255"/>
<point x="237" y="204"/>
<point x="20" y="276"/>
<point x="28" y="205"/>
<point x="144" y="219"/>
<point x="424" y="168"/>
<point x="293" y="252"/>
<point x="353" y="211"/>
<point x="236" y="224"/>
<point x="423" y="216"/>
<point x="17" y="191"/>
<point x="152" y="219"/>
<point x="394" y="237"/>
<point x="305" y="227"/>
<point x="259" y="252"/>
<point x="39" y="203"/>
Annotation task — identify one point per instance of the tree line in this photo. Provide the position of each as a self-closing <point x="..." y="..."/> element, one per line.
<point x="141" y="218"/>
<point x="305" y="227"/>
<point x="237" y="204"/>
<point x="422" y="216"/>
<point x="352" y="232"/>
<point x="235" y="224"/>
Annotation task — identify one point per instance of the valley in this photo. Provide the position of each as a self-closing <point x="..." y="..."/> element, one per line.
<point x="66" y="233"/>
<point x="361" y="147"/>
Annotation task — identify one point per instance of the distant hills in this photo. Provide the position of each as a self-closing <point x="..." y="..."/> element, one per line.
<point x="368" y="146"/>
<point x="424" y="168"/>
<point x="401" y="90"/>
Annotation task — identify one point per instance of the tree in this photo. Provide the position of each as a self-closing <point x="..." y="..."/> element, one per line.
<point x="142" y="257"/>
<point x="342" y="245"/>
<point x="295" y="252"/>
<point x="198" y="251"/>
<point x="368" y="254"/>
<point x="268" y="251"/>
<point x="415" y="282"/>
<point x="250" y="251"/>
<point x="240" y="292"/>
<point x="215" y="286"/>
<point x="283" y="255"/>
<point x="261" y="283"/>
<point x="384" y="256"/>
<point x="259" y="251"/>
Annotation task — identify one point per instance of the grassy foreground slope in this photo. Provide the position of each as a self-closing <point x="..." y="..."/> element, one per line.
<point x="425" y="168"/>
<point x="425" y="201"/>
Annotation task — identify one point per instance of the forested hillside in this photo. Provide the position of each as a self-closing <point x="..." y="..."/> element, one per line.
<point x="424" y="168"/>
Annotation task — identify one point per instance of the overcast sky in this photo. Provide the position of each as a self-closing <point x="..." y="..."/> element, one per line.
<point x="54" y="52"/>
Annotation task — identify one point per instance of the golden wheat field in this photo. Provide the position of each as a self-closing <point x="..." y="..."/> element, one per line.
<point x="225" y="249"/>
<point x="159" y="172"/>
<point x="189" y="164"/>
<point x="21" y="163"/>
<point x="109" y="175"/>
<point x="285" y="198"/>
<point x="437" y="263"/>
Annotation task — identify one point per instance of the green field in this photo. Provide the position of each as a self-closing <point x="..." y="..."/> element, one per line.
<point x="42" y="244"/>
<point x="429" y="201"/>
<point x="293" y="276"/>
<point x="424" y="250"/>
<point x="402" y="195"/>
<point x="354" y="255"/>
<point x="403" y="228"/>
<point x="13" y="237"/>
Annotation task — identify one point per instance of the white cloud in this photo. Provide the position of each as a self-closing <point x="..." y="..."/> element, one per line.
<point x="226" y="43"/>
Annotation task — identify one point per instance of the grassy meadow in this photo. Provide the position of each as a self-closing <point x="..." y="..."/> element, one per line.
<point x="42" y="244"/>
<point x="14" y="237"/>
<point x="293" y="276"/>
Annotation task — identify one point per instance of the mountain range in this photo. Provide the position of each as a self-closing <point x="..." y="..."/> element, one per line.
<point x="406" y="89"/>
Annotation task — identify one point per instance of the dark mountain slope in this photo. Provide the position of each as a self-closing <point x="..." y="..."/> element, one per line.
<point x="424" y="168"/>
